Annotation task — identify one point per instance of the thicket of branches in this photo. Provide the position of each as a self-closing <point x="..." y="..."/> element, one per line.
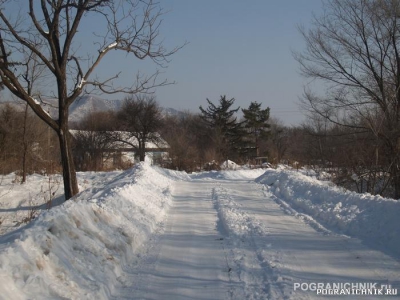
<point x="104" y="135"/>
<point x="350" y="157"/>
<point x="92" y="142"/>
<point x="40" y="40"/>
<point x="354" y="50"/>
<point x="27" y="145"/>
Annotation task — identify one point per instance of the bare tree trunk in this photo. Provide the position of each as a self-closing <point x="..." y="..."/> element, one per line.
<point x="142" y="156"/>
<point x="142" y="150"/>
<point x="395" y="176"/>
<point x="67" y="160"/>
<point x="24" y="145"/>
<point x="69" y="174"/>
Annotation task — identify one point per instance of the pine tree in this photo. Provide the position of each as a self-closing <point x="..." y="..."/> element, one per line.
<point x="256" y="123"/>
<point x="227" y="131"/>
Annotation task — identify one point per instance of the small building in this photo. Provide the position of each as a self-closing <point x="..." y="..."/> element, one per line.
<point x="106" y="150"/>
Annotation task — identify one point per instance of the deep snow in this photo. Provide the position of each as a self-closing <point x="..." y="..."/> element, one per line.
<point x="77" y="250"/>
<point x="373" y="219"/>
<point x="209" y="235"/>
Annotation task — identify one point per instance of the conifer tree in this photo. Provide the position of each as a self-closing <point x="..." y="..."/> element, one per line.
<point x="227" y="130"/>
<point x="256" y="123"/>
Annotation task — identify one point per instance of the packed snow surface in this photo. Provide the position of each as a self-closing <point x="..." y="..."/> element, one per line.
<point x="152" y="233"/>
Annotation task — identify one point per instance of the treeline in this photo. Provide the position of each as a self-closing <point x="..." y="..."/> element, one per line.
<point x="198" y="141"/>
<point x="195" y="141"/>
<point x="27" y="145"/>
<point x="352" y="52"/>
<point x="356" y="158"/>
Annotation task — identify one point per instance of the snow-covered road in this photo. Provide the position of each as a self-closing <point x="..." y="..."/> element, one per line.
<point x="188" y="260"/>
<point x="229" y="239"/>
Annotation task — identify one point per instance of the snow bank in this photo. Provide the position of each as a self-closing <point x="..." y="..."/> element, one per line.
<point x="373" y="219"/>
<point x="175" y="175"/>
<point x="243" y="174"/>
<point x="229" y="165"/>
<point x="21" y="202"/>
<point x="77" y="250"/>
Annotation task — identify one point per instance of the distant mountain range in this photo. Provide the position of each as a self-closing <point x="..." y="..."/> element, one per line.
<point x="86" y="104"/>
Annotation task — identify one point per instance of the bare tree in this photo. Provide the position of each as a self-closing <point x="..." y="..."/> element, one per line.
<point x="354" y="47"/>
<point x="91" y="148"/>
<point x="25" y="141"/>
<point x="9" y="143"/>
<point x="98" y="121"/>
<point x="140" y="118"/>
<point x="278" y="139"/>
<point x="93" y="141"/>
<point x="183" y="134"/>
<point x="48" y="29"/>
<point x="34" y="72"/>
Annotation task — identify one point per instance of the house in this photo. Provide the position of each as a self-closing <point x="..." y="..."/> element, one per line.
<point x="103" y="150"/>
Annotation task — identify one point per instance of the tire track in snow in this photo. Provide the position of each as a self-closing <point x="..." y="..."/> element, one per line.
<point x="244" y="240"/>
<point x="185" y="261"/>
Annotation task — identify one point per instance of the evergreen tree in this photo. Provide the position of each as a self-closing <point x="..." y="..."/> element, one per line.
<point x="226" y="130"/>
<point x="256" y="123"/>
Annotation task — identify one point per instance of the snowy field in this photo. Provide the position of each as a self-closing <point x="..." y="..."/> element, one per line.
<point x="151" y="233"/>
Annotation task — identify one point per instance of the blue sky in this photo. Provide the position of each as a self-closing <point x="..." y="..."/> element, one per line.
<point x="241" y="49"/>
<point x="238" y="48"/>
